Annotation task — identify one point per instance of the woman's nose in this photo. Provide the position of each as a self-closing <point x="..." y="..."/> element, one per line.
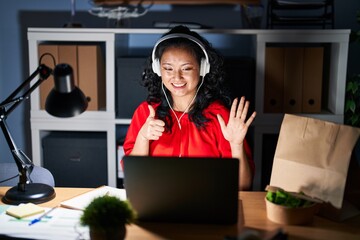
<point x="178" y="74"/>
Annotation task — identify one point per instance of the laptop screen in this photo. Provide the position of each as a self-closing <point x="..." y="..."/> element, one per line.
<point x="187" y="190"/>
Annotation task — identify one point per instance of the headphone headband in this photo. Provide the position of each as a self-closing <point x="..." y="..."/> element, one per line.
<point x="205" y="63"/>
<point x="180" y="35"/>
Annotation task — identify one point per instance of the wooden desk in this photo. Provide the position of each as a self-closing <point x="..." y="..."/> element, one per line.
<point x="252" y="214"/>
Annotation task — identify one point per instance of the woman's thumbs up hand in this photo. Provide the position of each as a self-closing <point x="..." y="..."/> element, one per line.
<point x="152" y="128"/>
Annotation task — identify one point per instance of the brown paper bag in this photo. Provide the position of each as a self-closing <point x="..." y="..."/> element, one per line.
<point x="313" y="156"/>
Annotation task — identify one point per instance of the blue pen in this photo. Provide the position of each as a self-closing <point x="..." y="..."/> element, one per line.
<point x="42" y="216"/>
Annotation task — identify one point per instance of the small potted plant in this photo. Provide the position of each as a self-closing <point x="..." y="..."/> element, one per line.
<point x="107" y="217"/>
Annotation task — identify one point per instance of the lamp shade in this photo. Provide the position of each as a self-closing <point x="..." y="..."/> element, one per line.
<point x="65" y="99"/>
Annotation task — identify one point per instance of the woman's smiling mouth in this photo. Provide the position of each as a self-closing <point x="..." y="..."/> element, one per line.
<point x="178" y="85"/>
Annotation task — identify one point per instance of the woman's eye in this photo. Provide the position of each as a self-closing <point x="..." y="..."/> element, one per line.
<point x="167" y="69"/>
<point x="187" y="69"/>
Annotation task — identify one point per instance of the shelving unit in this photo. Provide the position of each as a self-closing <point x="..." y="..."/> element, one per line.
<point x="312" y="13"/>
<point x="106" y="121"/>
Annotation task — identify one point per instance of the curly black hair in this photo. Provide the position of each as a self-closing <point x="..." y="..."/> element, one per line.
<point x="213" y="88"/>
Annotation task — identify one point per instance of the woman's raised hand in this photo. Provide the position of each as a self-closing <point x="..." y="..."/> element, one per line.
<point x="236" y="128"/>
<point x="152" y="128"/>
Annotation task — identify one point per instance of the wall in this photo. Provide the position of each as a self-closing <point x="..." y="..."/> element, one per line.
<point x="18" y="15"/>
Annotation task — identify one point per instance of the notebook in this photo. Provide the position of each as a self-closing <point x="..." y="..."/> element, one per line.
<point x="184" y="190"/>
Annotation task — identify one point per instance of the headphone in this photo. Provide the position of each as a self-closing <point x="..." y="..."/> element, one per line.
<point x="204" y="64"/>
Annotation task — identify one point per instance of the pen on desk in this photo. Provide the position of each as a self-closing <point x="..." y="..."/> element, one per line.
<point x="42" y="216"/>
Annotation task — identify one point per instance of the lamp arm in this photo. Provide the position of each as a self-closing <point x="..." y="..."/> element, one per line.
<point x="43" y="71"/>
<point x="24" y="164"/>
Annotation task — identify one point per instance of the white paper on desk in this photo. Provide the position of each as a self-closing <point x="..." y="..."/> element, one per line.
<point x="81" y="201"/>
<point x="60" y="224"/>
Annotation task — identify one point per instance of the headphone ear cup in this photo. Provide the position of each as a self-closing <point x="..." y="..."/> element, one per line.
<point x="156" y="67"/>
<point x="204" y="67"/>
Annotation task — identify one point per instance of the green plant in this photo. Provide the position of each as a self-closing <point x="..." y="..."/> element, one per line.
<point x="108" y="212"/>
<point x="352" y="105"/>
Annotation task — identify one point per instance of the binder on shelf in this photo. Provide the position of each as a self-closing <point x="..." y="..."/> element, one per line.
<point x="293" y="76"/>
<point x="47" y="85"/>
<point x="274" y="80"/>
<point x="91" y="72"/>
<point x="68" y="54"/>
<point x="312" y="79"/>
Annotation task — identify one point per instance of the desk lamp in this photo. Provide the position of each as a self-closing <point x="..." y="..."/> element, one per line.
<point x="64" y="100"/>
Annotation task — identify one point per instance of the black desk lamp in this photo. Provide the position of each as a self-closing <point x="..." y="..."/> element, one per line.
<point x="64" y="100"/>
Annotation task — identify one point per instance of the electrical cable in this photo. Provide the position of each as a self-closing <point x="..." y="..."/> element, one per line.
<point x="8" y="179"/>
<point x="187" y="108"/>
<point x="47" y="54"/>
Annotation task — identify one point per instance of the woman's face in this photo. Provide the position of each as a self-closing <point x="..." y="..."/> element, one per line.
<point x="180" y="73"/>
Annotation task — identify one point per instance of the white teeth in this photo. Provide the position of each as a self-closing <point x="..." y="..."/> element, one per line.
<point x="179" y="85"/>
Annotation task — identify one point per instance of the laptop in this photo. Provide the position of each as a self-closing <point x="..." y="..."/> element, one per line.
<point x="183" y="190"/>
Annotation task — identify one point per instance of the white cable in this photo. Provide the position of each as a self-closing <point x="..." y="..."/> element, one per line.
<point x="187" y="108"/>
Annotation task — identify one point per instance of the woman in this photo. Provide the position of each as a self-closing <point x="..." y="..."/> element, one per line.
<point x="187" y="112"/>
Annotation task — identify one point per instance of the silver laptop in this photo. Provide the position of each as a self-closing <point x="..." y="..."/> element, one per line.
<point x="186" y="190"/>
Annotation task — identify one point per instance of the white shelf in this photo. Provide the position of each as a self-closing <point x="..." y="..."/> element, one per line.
<point x="106" y="120"/>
